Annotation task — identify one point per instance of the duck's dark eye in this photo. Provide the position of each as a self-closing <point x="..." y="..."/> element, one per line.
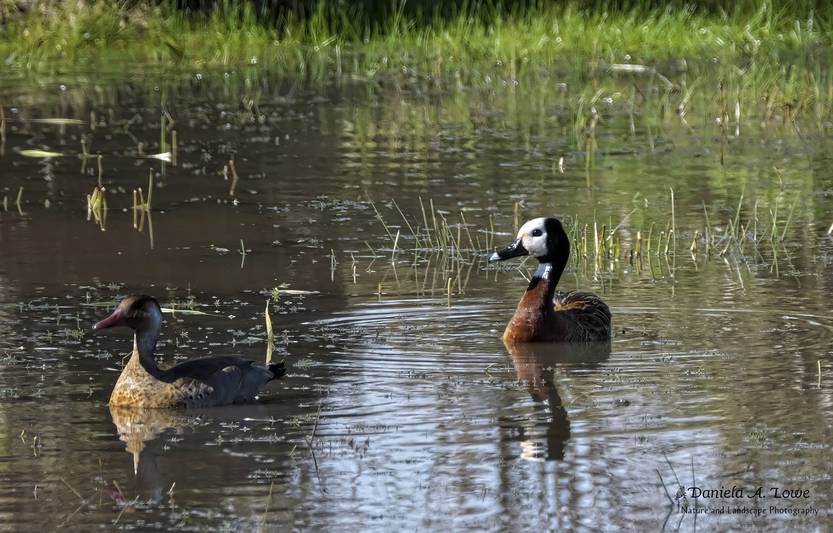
<point x="537" y="233"/>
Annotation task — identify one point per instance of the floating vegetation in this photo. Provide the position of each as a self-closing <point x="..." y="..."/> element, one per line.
<point x="294" y="292"/>
<point x="57" y="121"/>
<point x="165" y="156"/>
<point x="40" y="153"/>
<point x="97" y="207"/>
<point x="172" y="309"/>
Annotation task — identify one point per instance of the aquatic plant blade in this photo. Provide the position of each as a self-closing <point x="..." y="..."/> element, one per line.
<point x="164" y="156"/>
<point x="40" y="153"/>
<point x="58" y="121"/>
<point x="186" y="311"/>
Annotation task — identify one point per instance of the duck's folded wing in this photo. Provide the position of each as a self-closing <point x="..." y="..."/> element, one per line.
<point x="228" y="379"/>
<point x="588" y="315"/>
<point x="203" y="369"/>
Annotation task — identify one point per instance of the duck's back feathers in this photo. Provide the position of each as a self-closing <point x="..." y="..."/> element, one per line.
<point x="229" y="379"/>
<point x="206" y="382"/>
<point x="584" y="315"/>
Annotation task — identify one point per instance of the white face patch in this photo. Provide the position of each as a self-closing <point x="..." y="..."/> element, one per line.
<point x="533" y="235"/>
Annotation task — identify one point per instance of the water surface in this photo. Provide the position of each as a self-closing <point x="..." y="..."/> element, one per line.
<point x="402" y="409"/>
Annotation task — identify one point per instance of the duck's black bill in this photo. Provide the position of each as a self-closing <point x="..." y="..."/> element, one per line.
<point x="515" y="249"/>
<point x="114" y="320"/>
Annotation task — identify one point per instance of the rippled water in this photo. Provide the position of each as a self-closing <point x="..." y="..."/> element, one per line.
<point x="402" y="408"/>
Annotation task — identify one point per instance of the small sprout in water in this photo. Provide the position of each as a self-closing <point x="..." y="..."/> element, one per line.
<point x="97" y="207"/>
<point x="818" y="362"/>
<point x="243" y="251"/>
<point x="234" y="177"/>
<point x="18" y="201"/>
<point x="270" y="336"/>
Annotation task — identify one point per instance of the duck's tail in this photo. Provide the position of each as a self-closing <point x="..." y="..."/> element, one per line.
<point x="277" y="369"/>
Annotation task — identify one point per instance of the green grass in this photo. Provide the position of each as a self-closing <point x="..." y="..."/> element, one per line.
<point x="72" y="34"/>
<point x="769" y="61"/>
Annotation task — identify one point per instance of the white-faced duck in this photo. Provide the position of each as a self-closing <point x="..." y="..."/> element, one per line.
<point x="543" y="313"/>
<point x="205" y="382"/>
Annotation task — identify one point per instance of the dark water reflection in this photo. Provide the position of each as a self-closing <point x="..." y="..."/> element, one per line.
<point x="535" y="365"/>
<point x="402" y="409"/>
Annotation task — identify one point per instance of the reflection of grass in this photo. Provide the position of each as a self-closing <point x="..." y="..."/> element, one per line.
<point x="765" y="55"/>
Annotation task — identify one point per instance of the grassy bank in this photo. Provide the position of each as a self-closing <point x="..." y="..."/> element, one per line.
<point x="771" y="57"/>
<point x="72" y="34"/>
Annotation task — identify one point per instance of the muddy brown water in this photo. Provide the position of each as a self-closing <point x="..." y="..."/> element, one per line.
<point x="401" y="408"/>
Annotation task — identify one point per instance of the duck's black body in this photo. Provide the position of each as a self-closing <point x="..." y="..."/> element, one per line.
<point x="232" y="379"/>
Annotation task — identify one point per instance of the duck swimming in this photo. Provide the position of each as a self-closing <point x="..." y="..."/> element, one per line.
<point x="544" y="314"/>
<point x="206" y="382"/>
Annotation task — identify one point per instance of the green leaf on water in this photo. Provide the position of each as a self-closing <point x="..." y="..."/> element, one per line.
<point x="185" y="311"/>
<point x="164" y="156"/>
<point x="40" y="153"/>
<point x="57" y="121"/>
<point x="297" y="291"/>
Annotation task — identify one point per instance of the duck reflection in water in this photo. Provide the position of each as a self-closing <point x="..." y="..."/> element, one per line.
<point x="147" y="431"/>
<point x="140" y="429"/>
<point x="535" y="364"/>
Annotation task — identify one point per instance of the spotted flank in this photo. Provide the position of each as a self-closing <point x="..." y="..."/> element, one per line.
<point x="138" y="388"/>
